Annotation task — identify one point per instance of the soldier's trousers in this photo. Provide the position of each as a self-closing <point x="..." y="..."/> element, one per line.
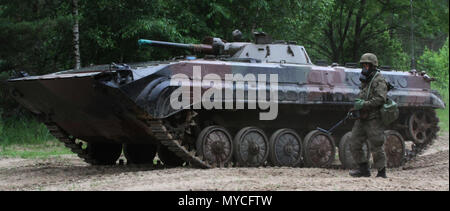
<point x="372" y="131"/>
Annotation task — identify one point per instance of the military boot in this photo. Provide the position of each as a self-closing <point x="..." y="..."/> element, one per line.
<point x="362" y="171"/>
<point x="382" y="173"/>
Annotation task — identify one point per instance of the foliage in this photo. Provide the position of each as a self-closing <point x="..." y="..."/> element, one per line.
<point x="443" y="114"/>
<point x="436" y="64"/>
<point x="36" y="36"/>
<point x="23" y="131"/>
<point x="39" y="32"/>
<point x="1" y="123"/>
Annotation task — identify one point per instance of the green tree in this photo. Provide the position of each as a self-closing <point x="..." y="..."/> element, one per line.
<point x="35" y="36"/>
<point x="436" y="64"/>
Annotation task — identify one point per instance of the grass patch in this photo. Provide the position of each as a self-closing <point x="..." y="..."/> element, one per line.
<point x="23" y="131"/>
<point x="443" y="113"/>
<point x="27" y="138"/>
<point x="43" y="150"/>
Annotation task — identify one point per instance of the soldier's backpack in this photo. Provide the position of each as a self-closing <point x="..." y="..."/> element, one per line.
<point x="389" y="111"/>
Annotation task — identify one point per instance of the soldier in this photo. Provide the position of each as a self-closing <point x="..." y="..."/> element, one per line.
<point x="369" y="126"/>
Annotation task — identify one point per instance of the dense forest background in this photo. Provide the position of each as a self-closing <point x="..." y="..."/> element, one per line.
<point x="37" y="36"/>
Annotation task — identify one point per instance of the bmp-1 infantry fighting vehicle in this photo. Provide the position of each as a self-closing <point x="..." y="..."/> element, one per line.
<point x="267" y="100"/>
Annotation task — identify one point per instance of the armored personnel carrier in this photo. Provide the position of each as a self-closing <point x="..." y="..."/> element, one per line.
<point x="242" y="104"/>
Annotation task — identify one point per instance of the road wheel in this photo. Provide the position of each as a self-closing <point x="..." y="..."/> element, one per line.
<point x="168" y="157"/>
<point x="251" y="147"/>
<point x="215" y="145"/>
<point x="394" y="147"/>
<point x="421" y="126"/>
<point x="140" y="153"/>
<point x="104" y="153"/>
<point x="320" y="149"/>
<point x="345" y="155"/>
<point x="285" y="148"/>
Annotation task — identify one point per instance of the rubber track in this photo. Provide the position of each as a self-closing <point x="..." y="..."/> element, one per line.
<point x="160" y="131"/>
<point x="167" y="139"/>
<point x="157" y="128"/>
<point x="69" y="142"/>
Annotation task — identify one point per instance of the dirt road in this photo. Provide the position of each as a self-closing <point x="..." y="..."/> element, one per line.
<point x="430" y="171"/>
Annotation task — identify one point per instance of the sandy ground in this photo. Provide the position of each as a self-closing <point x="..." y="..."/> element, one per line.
<point x="429" y="171"/>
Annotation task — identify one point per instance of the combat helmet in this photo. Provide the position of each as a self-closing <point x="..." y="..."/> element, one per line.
<point x="237" y="35"/>
<point x="369" y="58"/>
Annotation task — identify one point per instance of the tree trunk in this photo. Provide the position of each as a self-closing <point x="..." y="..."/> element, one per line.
<point x="358" y="31"/>
<point x="76" y="35"/>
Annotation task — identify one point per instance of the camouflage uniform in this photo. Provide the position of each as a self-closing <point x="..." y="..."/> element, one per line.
<point x="369" y="126"/>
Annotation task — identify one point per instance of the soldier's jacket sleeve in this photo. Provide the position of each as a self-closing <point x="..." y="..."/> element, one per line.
<point x="378" y="93"/>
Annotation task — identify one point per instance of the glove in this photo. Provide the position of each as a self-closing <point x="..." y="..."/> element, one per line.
<point x="359" y="103"/>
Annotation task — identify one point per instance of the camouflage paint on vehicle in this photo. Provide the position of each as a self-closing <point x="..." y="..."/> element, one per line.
<point x="110" y="103"/>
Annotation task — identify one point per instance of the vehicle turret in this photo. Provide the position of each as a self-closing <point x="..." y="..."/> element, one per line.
<point x="263" y="50"/>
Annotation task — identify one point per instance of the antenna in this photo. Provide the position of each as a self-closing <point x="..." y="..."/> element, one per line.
<point x="413" y="62"/>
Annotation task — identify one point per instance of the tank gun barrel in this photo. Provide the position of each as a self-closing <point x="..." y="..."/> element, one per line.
<point x="197" y="48"/>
